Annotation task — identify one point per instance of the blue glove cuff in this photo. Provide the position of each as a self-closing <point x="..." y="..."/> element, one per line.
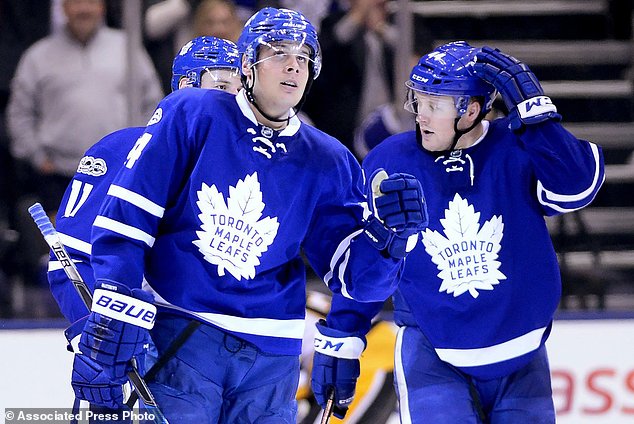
<point x="535" y="107"/>
<point x="377" y="233"/>
<point x="394" y="244"/>
<point x="533" y="111"/>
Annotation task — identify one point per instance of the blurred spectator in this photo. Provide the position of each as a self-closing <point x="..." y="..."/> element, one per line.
<point x="169" y="24"/>
<point x="217" y="18"/>
<point x="314" y="10"/>
<point x="22" y="22"/>
<point x="357" y="76"/>
<point x="169" y="21"/>
<point x="386" y="120"/>
<point x="113" y="17"/>
<point x="391" y="118"/>
<point x="69" y="89"/>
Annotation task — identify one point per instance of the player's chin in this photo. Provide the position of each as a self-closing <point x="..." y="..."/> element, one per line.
<point x="290" y="97"/>
<point x="428" y="140"/>
<point x="431" y="144"/>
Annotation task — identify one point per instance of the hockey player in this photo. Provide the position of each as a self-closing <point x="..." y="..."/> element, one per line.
<point x="205" y="62"/>
<point x="209" y="214"/>
<point x="476" y="301"/>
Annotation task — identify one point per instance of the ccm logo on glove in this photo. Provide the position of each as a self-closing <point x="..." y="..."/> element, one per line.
<point x="339" y="347"/>
<point x="124" y="308"/>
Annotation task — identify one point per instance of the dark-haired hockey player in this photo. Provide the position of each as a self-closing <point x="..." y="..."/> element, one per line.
<point x="476" y="301"/>
<point x="207" y="219"/>
<point x="204" y="62"/>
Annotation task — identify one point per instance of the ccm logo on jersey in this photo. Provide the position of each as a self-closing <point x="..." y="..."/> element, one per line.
<point x="124" y="308"/>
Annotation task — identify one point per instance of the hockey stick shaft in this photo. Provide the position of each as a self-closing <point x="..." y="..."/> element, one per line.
<point x="325" y="417"/>
<point x="171" y="350"/>
<point x="53" y="240"/>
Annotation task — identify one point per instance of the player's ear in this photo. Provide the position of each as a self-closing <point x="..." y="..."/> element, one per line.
<point x="246" y="69"/>
<point x="473" y="110"/>
<point x="184" y="82"/>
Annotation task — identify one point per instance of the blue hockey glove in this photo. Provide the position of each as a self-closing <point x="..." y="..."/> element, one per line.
<point x="336" y="367"/>
<point x="88" y="379"/>
<point x="519" y="87"/>
<point x="117" y="328"/>
<point x="90" y="383"/>
<point x="398" y="211"/>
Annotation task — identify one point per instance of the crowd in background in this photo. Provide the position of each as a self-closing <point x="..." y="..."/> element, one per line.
<point x="64" y="83"/>
<point x="62" y="88"/>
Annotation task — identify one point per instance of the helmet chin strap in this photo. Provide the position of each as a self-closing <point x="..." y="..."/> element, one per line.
<point x="251" y="98"/>
<point x="457" y="134"/>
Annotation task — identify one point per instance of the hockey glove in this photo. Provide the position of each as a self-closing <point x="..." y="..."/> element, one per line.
<point x="519" y="87"/>
<point x="117" y="328"/>
<point x="336" y="367"/>
<point x="399" y="212"/>
<point x="88" y="379"/>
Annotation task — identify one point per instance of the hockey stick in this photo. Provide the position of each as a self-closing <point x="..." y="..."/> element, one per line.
<point x="325" y="417"/>
<point x="52" y="239"/>
<point x="171" y="350"/>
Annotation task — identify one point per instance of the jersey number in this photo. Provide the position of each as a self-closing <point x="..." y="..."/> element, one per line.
<point x="136" y="151"/>
<point x="78" y="194"/>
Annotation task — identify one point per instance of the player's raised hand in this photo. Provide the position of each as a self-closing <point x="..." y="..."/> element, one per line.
<point x="398" y="211"/>
<point x="518" y="85"/>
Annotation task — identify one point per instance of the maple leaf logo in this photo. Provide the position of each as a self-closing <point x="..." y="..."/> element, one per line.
<point x="466" y="255"/>
<point x="232" y="235"/>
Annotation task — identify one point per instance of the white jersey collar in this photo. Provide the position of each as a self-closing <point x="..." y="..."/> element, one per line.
<point x="293" y="124"/>
<point x="485" y="130"/>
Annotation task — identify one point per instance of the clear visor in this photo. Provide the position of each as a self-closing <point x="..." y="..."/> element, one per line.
<point x="281" y="52"/>
<point x="432" y="104"/>
<point x="225" y="79"/>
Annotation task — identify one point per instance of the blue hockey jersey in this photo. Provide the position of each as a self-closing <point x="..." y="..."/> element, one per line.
<point x="78" y="210"/>
<point x="483" y="282"/>
<point x="212" y="209"/>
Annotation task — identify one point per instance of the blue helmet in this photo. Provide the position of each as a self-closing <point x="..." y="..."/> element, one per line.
<point x="203" y="53"/>
<point x="270" y="25"/>
<point x="448" y="71"/>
